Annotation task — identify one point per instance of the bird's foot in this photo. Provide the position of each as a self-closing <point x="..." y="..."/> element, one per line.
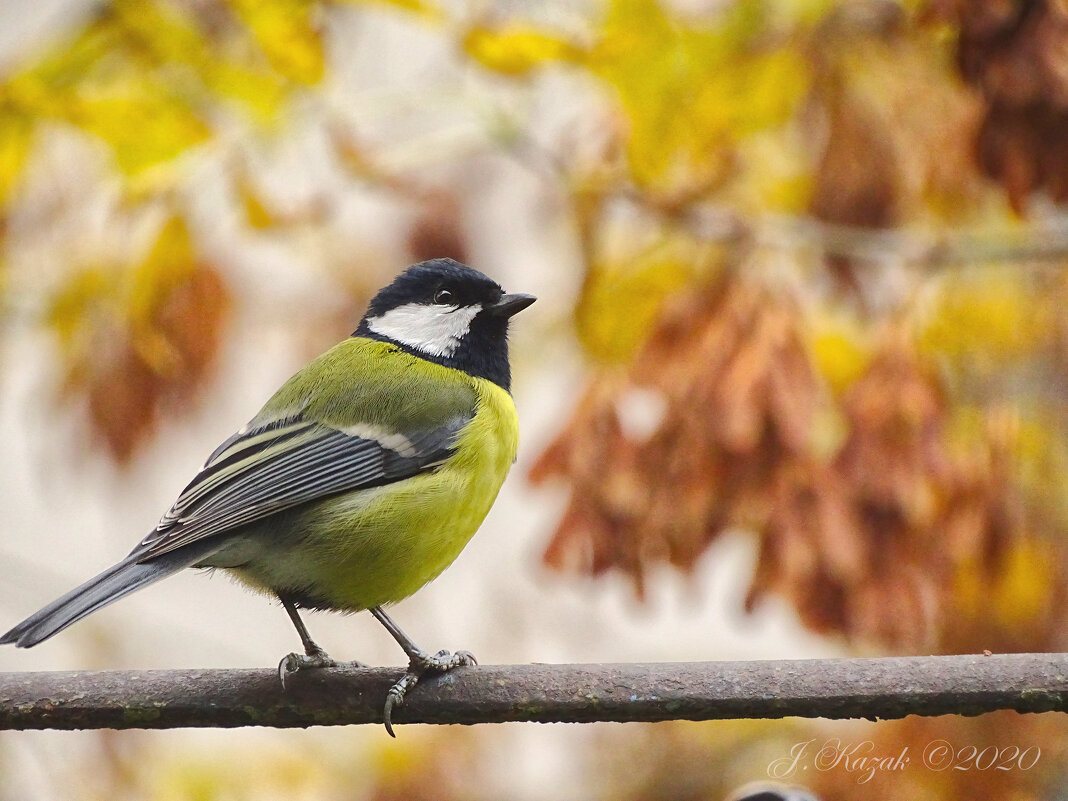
<point x="293" y="663"/>
<point x="421" y="663"/>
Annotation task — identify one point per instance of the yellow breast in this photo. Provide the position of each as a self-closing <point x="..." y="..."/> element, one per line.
<point x="377" y="546"/>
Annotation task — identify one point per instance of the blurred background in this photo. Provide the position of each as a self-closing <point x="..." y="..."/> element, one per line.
<point x="795" y="386"/>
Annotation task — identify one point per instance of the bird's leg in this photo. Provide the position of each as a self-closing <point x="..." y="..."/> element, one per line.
<point x="419" y="662"/>
<point x="313" y="656"/>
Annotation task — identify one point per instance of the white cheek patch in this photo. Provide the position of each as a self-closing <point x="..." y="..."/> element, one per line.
<point x="434" y="330"/>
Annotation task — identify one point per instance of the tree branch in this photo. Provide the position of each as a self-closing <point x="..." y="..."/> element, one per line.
<point x="952" y="248"/>
<point x="830" y="688"/>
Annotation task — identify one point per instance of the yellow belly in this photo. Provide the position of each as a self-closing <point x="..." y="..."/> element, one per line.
<point x="377" y="546"/>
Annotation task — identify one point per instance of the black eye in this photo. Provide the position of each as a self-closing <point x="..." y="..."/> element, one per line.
<point x="444" y="297"/>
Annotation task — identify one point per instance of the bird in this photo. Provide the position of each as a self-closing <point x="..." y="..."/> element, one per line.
<point x="358" y="482"/>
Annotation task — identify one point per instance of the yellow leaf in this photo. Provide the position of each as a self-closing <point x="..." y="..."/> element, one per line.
<point x="839" y="348"/>
<point x="16" y="135"/>
<point x="142" y="123"/>
<point x="1022" y="590"/>
<point x="1041" y="462"/>
<point x="987" y="320"/>
<point x="100" y="87"/>
<point x="689" y="92"/>
<point x="260" y="92"/>
<point x="256" y="211"/>
<point x="620" y="302"/>
<point x="287" y="32"/>
<point x="171" y="38"/>
<point x="70" y="307"/>
<point x="169" y="263"/>
<point x="46" y="89"/>
<point x="168" y="35"/>
<point x="137" y="77"/>
<point x="517" y="49"/>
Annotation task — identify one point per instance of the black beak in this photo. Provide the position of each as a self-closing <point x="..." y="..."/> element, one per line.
<point x="510" y="304"/>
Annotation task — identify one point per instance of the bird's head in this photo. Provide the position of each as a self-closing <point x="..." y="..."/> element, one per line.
<point x="446" y="312"/>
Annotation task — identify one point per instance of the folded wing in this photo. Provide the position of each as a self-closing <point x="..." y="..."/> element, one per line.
<point x="287" y="463"/>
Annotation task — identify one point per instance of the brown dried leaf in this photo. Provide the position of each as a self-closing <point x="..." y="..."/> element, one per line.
<point x="1017" y="54"/>
<point x="869" y="543"/>
<point x="438" y="230"/>
<point x="135" y="338"/>
<point x="857" y="180"/>
<point x="708" y="463"/>
<point x="123" y="395"/>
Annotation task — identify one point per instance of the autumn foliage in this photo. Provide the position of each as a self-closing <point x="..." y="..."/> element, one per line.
<point x="870" y="538"/>
<point x="888" y="489"/>
<point x="135" y="337"/>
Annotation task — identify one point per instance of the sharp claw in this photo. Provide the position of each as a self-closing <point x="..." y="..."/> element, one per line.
<point x="393" y="698"/>
<point x="441" y="662"/>
<point x="293" y="663"/>
<point x="285" y="667"/>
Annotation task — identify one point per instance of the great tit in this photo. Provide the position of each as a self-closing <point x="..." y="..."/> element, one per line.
<point x="359" y="481"/>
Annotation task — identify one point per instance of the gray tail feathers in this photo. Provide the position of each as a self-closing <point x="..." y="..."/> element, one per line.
<point x="114" y="583"/>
